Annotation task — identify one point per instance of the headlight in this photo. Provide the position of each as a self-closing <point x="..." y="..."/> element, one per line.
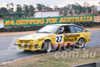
<point x="17" y="41"/>
<point x="31" y="42"/>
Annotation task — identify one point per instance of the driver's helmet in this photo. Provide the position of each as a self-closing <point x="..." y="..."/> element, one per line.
<point x="62" y="29"/>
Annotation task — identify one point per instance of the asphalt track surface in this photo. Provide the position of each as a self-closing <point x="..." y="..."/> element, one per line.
<point x="9" y="52"/>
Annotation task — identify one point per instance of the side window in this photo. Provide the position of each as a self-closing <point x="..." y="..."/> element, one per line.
<point x="72" y="28"/>
<point x="63" y="29"/>
<point x="67" y="29"/>
<point x="78" y="29"/>
<point x="60" y="30"/>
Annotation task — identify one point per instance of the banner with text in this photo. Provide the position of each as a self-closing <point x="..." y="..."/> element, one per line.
<point x="48" y="20"/>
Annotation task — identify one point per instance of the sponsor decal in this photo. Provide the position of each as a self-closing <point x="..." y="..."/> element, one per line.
<point x="64" y="44"/>
<point x="72" y="35"/>
<point x="48" y="20"/>
<point x="71" y="38"/>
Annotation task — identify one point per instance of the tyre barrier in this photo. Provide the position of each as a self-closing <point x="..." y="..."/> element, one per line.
<point x="86" y="65"/>
<point x="89" y="24"/>
<point x="96" y="64"/>
<point x="33" y="28"/>
<point x="19" y="29"/>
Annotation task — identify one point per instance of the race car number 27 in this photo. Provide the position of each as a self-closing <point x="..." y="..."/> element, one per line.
<point x="59" y="39"/>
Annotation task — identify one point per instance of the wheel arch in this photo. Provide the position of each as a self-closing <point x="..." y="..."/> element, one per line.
<point x="46" y="40"/>
<point x="81" y="38"/>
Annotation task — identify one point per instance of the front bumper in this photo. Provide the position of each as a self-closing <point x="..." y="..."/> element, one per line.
<point x="29" y="47"/>
<point x="29" y="44"/>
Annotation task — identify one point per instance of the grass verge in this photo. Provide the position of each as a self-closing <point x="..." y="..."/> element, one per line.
<point x="65" y="59"/>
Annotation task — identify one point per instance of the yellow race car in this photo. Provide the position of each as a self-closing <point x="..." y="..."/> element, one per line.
<point x="54" y="36"/>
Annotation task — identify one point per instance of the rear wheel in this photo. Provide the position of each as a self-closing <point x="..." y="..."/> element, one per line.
<point x="81" y="43"/>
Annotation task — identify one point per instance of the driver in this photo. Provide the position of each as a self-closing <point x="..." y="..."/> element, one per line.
<point x="62" y="30"/>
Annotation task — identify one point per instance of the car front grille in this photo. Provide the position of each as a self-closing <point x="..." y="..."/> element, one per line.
<point x="24" y="41"/>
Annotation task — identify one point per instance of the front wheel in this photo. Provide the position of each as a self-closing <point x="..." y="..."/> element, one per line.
<point x="47" y="46"/>
<point x="81" y="43"/>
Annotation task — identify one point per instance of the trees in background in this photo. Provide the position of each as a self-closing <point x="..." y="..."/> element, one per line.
<point x="18" y="12"/>
<point x="3" y="12"/>
<point x="31" y="10"/>
<point x="47" y="8"/>
<point x="40" y="7"/>
<point x="10" y="7"/>
<point x="28" y="10"/>
<point x="25" y="11"/>
<point x="19" y="9"/>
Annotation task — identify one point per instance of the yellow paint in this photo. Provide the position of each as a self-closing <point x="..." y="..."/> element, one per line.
<point x="9" y="22"/>
<point x="75" y="19"/>
<point x="25" y="22"/>
<point x="67" y="38"/>
<point x="51" y="20"/>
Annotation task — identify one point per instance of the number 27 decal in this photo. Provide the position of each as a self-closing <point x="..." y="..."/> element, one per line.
<point x="59" y="39"/>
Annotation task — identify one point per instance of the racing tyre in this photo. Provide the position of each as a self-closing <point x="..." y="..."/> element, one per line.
<point x="81" y="43"/>
<point x="47" y="46"/>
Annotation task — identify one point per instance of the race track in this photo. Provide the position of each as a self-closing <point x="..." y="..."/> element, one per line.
<point x="9" y="52"/>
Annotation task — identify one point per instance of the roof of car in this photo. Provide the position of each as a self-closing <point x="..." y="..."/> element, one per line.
<point x="66" y="24"/>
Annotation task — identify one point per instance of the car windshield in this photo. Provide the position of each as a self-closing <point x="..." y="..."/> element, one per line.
<point x="48" y="29"/>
